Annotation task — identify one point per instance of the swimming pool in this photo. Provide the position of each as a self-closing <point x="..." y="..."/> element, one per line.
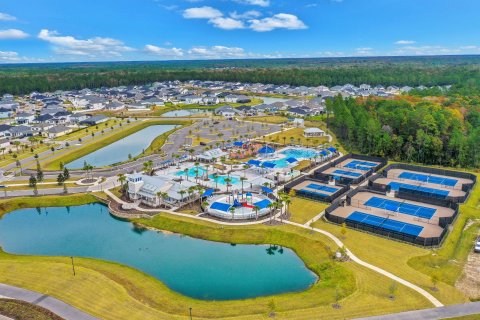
<point x="221" y="179"/>
<point x="192" y="172"/>
<point x="299" y="153"/>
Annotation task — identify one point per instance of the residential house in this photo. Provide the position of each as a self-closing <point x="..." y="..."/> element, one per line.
<point x="313" y="132"/>
<point x="57" y="131"/>
<point x="94" y="120"/>
<point x="24" y="117"/>
<point x="145" y="189"/>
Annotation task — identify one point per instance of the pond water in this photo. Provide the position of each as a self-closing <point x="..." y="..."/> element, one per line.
<point x="269" y="100"/>
<point x="183" y="113"/>
<point x="119" y="150"/>
<point x="196" y="268"/>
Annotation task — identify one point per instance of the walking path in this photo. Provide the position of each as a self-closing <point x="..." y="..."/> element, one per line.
<point x="56" y="306"/>
<point x="354" y="258"/>
<point x="447" y="312"/>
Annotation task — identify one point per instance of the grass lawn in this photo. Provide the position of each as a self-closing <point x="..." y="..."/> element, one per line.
<point x="392" y="256"/>
<point x="302" y="165"/>
<point x="448" y="261"/>
<point x="267" y="119"/>
<point x="53" y="163"/>
<point x="75" y="135"/>
<point x="197" y="140"/>
<point x="302" y="210"/>
<point x="21" y="310"/>
<point x="8" y="158"/>
<point x="39" y="186"/>
<point x="295" y="136"/>
<point x="121" y="292"/>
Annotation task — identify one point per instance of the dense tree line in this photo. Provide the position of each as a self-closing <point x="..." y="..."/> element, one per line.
<point x="461" y="72"/>
<point x="424" y="133"/>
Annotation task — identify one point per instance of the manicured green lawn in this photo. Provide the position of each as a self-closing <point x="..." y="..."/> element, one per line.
<point x="417" y="264"/>
<point x="302" y="210"/>
<point x="267" y="119"/>
<point x="295" y="136"/>
<point x="448" y="261"/>
<point x="122" y="292"/>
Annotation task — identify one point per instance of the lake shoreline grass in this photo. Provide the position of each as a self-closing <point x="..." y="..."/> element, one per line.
<point x="128" y="288"/>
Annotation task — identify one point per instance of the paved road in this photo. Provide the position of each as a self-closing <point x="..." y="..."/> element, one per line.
<point x="457" y="310"/>
<point x="56" y="306"/>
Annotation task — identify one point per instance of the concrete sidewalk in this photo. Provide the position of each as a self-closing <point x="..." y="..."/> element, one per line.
<point x="58" y="307"/>
<point x="457" y="310"/>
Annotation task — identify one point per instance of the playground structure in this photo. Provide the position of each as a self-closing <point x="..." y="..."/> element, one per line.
<point x="239" y="206"/>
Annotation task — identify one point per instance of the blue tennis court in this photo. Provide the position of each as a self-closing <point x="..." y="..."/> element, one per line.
<point x="220" y="206"/>
<point x="313" y="193"/>
<point x="385" y="223"/>
<point x="262" y="204"/>
<point x="435" y="192"/>
<point x="322" y="188"/>
<point x="401" y="207"/>
<point x="347" y="173"/>
<point x="360" y="165"/>
<point x="429" y="179"/>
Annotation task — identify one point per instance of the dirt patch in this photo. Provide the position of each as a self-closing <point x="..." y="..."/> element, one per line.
<point x="469" y="282"/>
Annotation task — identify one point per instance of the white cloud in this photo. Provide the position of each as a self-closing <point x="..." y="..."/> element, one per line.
<point x="216" y="52"/>
<point x="202" y="13"/>
<point x="6" y="17"/>
<point x="227" y="23"/>
<point x="93" y="47"/>
<point x="13" y="34"/>
<point x="278" y="21"/>
<point x="429" y="50"/>
<point x="365" y="51"/>
<point x="9" y="56"/>
<point x="246" y="15"/>
<point x="404" y="42"/>
<point x="260" y="3"/>
<point x="164" y="52"/>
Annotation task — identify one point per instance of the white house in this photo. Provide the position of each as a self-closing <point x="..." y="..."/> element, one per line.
<point x="313" y="132"/>
<point x="146" y="188"/>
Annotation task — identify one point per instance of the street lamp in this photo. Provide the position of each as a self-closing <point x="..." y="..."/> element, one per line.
<point x="190" y="313"/>
<point x="73" y="266"/>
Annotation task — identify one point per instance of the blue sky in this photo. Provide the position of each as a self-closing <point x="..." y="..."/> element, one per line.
<point x="108" y="30"/>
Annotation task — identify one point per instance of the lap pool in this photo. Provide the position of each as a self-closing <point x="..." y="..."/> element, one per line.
<point x="195" y="268"/>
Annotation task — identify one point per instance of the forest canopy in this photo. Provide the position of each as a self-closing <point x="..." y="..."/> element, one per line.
<point x="462" y="72"/>
<point x="424" y="133"/>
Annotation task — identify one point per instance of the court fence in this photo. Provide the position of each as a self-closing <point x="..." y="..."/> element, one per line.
<point x="421" y="241"/>
<point x="320" y="173"/>
<point x="421" y="195"/>
<point x="315" y="196"/>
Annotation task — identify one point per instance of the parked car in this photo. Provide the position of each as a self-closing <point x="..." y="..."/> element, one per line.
<point x="477" y="246"/>
<point x="203" y="143"/>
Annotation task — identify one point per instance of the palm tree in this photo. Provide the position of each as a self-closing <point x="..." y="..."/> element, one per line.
<point x="242" y="179"/>
<point x="162" y="196"/>
<point x="271" y="206"/>
<point x="256" y="209"/>
<point x="232" y="211"/>
<point x="201" y="191"/>
<point x="186" y="173"/>
<point x="215" y="178"/>
<point x="196" y="171"/>
<point x="191" y="191"/>
<point x="122" y="179"/>
<point x="227" y="181"/>
<point x="182" y="193"/>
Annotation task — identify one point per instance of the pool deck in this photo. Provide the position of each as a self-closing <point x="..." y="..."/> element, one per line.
<point x="395" y="173"/>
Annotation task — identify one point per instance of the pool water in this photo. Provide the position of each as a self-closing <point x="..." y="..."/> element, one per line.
<point x="221" y="179"/>
<point x="196" y="268"/>
<point x="299" y="153"/>
<point x="192" y="172"/>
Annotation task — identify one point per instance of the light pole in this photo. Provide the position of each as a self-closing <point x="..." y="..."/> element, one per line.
<point x="191" y="313"/>
<point x="73" y="266"/>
